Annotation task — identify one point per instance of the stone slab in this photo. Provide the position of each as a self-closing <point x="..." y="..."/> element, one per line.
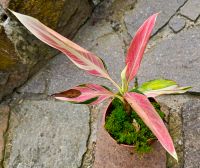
<point x="47" y="134"/>
<point x="191" y="128"/>
<point x="191" y="10"/>
<point x="110" y="154"/>
<point x="144" y="8"/>
<point x="177" y="24"/>
<point x="176" y="58"/>
<point x="21" y="53"/>
<point x="64" y="16"/>
<point x="37" y="84"/>
<point x="4" y="113"/>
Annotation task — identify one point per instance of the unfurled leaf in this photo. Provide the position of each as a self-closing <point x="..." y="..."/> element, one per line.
<point x="158" y="87"/>
<point x="137" y="47"/>
<point x="151" y="118"/>
<point x="124" y="81"/>
<point x="85" y="94"/>
<point x="79" y="56"/>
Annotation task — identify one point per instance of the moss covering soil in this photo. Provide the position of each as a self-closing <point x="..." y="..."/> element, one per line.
<point x="130" y="129"/>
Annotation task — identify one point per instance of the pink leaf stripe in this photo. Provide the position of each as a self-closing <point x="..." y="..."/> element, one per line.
<point x="147" y="113"/>
<point x="88" y="94"/>
<point x="79" y="56"/>
<point x="137" y="47"/>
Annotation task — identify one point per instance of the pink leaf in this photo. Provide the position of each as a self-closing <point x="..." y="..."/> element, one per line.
<point x="79" y="56"/>
<point x="137" y="47"/>
<point x="148" y="114"/>
<point x="85" y="94"/>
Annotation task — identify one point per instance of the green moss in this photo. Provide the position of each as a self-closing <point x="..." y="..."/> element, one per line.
<point x="7" y="53"/>
<point x="120" y="125"/>
<point x="47" y="11"/>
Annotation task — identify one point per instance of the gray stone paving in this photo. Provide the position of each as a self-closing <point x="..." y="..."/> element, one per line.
<point x="191" y="128"/>
<point x="191" y="9"/>
<point x="145" y="8"/>
<point x="48" y="133"/>
<point x="176" y="58"/>
<point x="177" y="24"/>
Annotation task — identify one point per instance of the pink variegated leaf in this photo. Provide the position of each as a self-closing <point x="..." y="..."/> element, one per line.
<point x="78" y="55"/>
<point x="151" y="118"/>
<point x="168" y="90"/>
<point x="137" y="47"/>
<point x="85" y="94"/>
<point x="158" y="87"/>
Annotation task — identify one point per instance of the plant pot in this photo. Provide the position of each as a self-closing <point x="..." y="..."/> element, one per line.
<point x="107" y="112"/>
<point x="110" y="154"/>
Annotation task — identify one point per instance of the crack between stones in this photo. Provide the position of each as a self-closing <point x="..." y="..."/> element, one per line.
<point x="168" y="20"/>
<point x="89" y="17"/>
<point x="88" y="140"/>
<point x="183" y="135"/>
<point x="193" y="93"/>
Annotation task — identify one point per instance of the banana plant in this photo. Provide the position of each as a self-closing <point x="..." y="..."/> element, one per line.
<point x="136" y="97"/>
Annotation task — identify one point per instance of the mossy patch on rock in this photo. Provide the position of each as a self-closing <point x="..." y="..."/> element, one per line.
<point x="47" y="11"/>
<point x="130" y="129"/>
<point x="7" y="52"/>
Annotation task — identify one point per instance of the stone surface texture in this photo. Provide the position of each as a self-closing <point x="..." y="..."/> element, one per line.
<point x="144" y="8"/>
<point x="177" y="24"/>
<point x="64" y="16"/>
<point x="191" y="10"/>
<point x="191" y="128"/>
<point x="4" y="113"/>
<point x="48" y="134"/>
<point x="174" y="58"/>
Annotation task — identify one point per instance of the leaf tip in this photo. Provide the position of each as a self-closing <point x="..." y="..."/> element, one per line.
<point x="175" y="156"/>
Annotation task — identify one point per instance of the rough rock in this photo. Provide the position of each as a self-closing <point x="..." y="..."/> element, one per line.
<point x="4" y="113"/>
<point x="191" y="127"/>
<point x="37" y="84"/>
<point x="21" y="53"/>
<point x="175" y="59"/>
<point x="47" y="134"/>
<point x="191" y="10"/>
<point x="177" y="24"/>
<point x="144" y="8"/>
<point x="96" y="2"/>
<point x="64" y="16"/>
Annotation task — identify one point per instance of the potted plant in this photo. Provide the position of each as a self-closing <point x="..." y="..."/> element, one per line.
<point x="133" y="111"/>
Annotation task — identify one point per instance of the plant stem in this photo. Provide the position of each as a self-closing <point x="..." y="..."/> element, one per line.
<point x="127" y="107"/>
<point x="114" y="83"/>
<point x="136" y="82"/>
<point x="120" y="98"/>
